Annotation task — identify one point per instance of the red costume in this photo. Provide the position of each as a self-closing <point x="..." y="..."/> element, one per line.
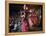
<point x="32" y="20"/>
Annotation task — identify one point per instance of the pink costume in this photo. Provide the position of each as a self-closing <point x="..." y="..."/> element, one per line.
<point x="30" y="22"/>
<point x="24" y="26"/>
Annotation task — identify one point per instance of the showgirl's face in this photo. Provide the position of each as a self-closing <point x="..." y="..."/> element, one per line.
<point x="23" y="15"/>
